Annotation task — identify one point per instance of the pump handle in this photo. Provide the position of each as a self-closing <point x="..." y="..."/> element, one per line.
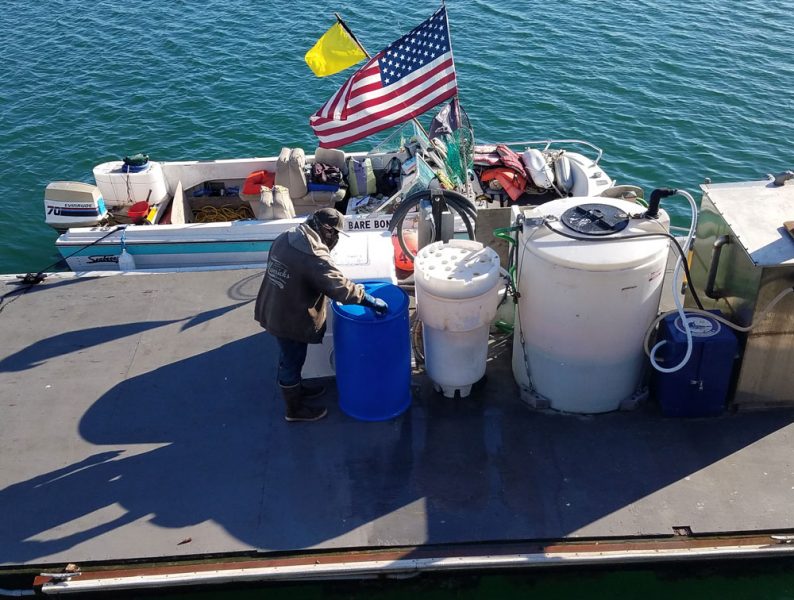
<point x="711" y="278"/>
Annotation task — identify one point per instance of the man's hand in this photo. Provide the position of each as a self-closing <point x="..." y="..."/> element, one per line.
<point x="377" y="304"/>
<point x="381" y="308"/>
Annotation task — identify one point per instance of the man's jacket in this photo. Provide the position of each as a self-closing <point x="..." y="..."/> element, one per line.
<point x="300" y="274"/>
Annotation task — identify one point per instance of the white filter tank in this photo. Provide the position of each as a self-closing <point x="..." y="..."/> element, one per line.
<point x="457" y="294"/>
<point x="584" y="305"/>
<point x="119" y="187"/>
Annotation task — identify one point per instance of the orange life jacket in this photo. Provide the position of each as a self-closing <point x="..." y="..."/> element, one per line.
<point x="257" y="179"/>
<point x="514" y="184"/>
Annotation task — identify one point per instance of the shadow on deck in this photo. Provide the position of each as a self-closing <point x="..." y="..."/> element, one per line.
<point x="193" y="457"/>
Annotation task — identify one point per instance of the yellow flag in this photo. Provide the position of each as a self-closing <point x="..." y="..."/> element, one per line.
<point x="334" y="51"/>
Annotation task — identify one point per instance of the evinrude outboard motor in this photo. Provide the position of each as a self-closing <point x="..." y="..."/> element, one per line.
<point x="73" y="204"/>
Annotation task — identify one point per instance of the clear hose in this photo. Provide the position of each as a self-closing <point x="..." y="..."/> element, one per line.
<point x="677" y="297"/>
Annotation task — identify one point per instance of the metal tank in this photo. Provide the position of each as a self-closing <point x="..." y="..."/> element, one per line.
<point x="742" y="259"/>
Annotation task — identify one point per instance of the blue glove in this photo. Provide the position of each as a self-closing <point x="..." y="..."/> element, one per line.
<point x="377" y="304"/>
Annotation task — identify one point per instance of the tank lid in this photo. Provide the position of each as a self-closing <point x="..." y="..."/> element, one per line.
<point x="395" y="298"/>
<point x="597" y="250"/>
<point x="456" y="269"/>
<point x="595" y="219"/>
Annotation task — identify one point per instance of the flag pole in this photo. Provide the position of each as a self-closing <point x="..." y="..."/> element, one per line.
<point x="351" y="34"/>
<point x="364" y="50"/>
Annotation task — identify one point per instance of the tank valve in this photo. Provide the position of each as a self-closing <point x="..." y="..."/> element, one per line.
<point x="656" y="198"/>
<point x="534" y="221"/>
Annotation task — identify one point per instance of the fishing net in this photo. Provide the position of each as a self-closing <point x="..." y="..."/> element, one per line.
<point x="460" y="149"/>
<point x="408" y="137"/>
<point x="448" y="148"/>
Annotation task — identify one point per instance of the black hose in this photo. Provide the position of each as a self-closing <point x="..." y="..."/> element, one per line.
<point x="397" y="222"/>
<point x="656" y="198"/>
<point x="454" y="201"/>
<point x="462" y="203"/>
<point x="453" y="206"/>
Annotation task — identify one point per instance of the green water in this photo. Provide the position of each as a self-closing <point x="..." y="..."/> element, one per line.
<point x="674" y="91"/>
<point x="737" y="580"/>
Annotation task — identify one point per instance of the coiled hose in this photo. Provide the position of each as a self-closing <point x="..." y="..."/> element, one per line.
<point x="453" y="200"/>
<point x="227" y="212"/>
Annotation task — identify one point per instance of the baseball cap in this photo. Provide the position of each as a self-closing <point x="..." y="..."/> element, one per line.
<point x="330" y="217"/>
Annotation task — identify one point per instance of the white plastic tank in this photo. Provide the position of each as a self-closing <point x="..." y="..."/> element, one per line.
<point x="457" y="293"/>
<point x="584" y="306"/>
<point x="120" y="188"/>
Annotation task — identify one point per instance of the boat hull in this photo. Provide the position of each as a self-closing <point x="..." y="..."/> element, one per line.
<point x="238" y="243"/>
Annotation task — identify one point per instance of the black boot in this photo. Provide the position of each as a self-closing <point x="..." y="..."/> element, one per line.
<point x="310" y="392"/>
<point x="296" y="410"/>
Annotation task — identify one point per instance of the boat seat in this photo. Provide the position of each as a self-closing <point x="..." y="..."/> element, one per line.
<point x="316" y="200"/>
<point x="272" y="203"/>
<point x="331" y="156"/>
<point x="290" y="171"/>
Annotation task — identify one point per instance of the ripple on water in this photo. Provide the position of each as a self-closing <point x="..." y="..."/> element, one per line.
<point x="673" y="90"/>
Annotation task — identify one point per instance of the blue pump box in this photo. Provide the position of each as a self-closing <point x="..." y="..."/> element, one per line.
<point x="700" y="388"/>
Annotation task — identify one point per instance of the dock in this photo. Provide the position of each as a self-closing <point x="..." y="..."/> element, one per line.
<point x="142" y="440"/>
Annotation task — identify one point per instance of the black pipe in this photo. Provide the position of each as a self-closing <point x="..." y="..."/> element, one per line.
<point x="455" y="201"/>
<point x="711" y="279"/>
<point x="656" y="198"/>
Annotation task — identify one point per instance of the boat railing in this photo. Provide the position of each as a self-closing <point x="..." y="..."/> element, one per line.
<point x="548" y="143"/>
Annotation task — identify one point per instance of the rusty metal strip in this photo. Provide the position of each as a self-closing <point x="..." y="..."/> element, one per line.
<point x="360" y="564"/>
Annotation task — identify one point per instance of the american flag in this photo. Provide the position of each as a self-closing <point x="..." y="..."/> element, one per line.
<point x="403" y="80"/>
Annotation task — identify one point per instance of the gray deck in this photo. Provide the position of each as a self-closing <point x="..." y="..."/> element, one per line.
<point x="139" y="418"/>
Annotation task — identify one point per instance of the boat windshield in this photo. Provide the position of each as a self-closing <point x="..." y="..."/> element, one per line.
<point x="408" y="136"/>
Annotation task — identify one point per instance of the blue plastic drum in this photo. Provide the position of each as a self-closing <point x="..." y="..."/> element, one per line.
<point x="372" y="356"/>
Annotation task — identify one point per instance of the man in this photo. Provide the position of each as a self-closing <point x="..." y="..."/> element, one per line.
<point x="291" y="303"/>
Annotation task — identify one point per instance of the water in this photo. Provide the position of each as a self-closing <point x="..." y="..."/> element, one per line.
<point x="673" y="90"/>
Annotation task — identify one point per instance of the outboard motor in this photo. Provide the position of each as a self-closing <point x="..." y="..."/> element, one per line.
<point x="73" y="204"/>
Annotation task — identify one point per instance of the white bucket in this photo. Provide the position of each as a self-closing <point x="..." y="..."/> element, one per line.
<point x="457" y="285"/>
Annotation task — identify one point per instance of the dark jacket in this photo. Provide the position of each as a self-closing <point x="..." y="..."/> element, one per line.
<point x="300" y="274"/>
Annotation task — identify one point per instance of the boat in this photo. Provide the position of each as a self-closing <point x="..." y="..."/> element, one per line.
<point x="142" y="214"/>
